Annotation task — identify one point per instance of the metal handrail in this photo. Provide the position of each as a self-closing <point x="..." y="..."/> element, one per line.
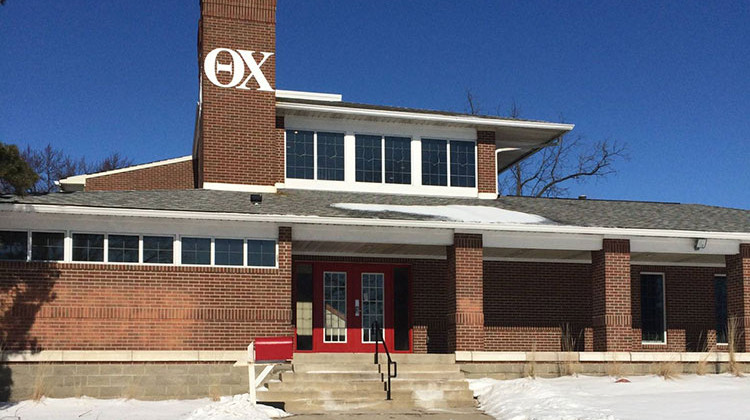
<point x="379" y="338"/>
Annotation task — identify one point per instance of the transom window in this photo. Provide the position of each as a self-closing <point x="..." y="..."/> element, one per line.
<point x="261" y="253"/>
<point x="228" y="252"/>
<point x="196" y="251"/>
<point x="47" y="246"/>
<point x="158" y="249"/>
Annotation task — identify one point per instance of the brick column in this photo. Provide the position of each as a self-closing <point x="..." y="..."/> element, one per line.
<point x="738" y="294"/>
<point x="486" y="167"/>
<point x="285" y="274"/>
<point x="611" y="299"/>
<point x="465" y="293"/>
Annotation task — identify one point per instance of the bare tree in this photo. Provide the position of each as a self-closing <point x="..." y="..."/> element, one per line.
<point x="570" y="158"/>
<point x="53" y="164"/>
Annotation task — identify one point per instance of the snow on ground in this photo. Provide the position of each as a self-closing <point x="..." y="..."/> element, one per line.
<point x="237" y="407"/>
<point x="478" y="214"/>
<point x="688" y="397"/>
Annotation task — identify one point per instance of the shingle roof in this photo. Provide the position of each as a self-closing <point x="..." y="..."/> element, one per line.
<point x="588" y="213"/>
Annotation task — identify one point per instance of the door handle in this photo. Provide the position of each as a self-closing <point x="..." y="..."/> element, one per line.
<point x="356" y="307"/>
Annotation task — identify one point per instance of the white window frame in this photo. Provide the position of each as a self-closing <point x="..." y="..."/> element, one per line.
<point x="140" y="249"/>
<point x="346" y="305"/>
<point x="213" y="251"/>
<point x="105" y="252"/>
<point x="27" y="255"/>
<point x="66" y="235"/>
<point x="664" y="305"/>
<point x="158" y="235"/>
<point x="276" y="254"/>
<point x="211" y="248"/>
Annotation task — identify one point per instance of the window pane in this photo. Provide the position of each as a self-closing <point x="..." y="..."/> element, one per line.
<point x="372" y="305"/>
<point x="123" y="248"/>
<point x="158" y="249"/>
<point x="368" y="159"/>
<point x="13" y="245"/>
<point x="652" y="307"/>
<point x="331" y="156"/>
<point x="720" y="297"/>
<point x="398" y="160"/>
<point x="334" y="303"/>
<point x="299" y="154"/>
<point x="88" y="247"/>
<point x="434" y="162"/>
<point x="261" y="253"/>
<point x="47" y="246"/>
<point x="196" y="251"/>
<point x="462" y="164"/>
<point x="228" y="251"/>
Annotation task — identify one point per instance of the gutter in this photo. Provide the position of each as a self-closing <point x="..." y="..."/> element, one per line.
<point x="349" y="221"/>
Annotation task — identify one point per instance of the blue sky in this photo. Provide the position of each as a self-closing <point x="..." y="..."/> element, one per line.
<point x="670" y="79"/>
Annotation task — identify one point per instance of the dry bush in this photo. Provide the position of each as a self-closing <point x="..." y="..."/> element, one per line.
<point x="567" y="366"/>
<point x="733" y="336"/>
<point x="213" y="393"/>
<point x="41" y="381"/>
<point x="702" y="367"/>
<point x="668" y="370"/>
<point x="531" y="363"/>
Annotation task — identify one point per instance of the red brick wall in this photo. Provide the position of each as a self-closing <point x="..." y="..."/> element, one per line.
<point x="738" y="293"/>
<point x="526" y="304"/>
<point x="690" y="306"/>
<point x="173" y="176"/>
<point x="486" y="167"/>
<point x="240" y="143"/>
<point x="135" y="307"/>
<point x="611" y="307"/>
<point x="464" y="292"/>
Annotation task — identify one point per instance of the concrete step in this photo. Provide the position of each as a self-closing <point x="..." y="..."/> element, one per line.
<point x="331" y="376"/>
<point x="422" y="367"/>
<point x="398" y="384"/>
<point x="313" y="395"/>
<point x="334" y="367"/>
<point x="344" y="358"/>
<point x="333" y="386"/>
<point x="350" y="406"/>
<point x="430" y="376"/>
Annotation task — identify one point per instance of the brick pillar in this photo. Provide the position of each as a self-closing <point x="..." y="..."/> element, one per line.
<point x="486" y="167"/>
<point x="611" y="299"/>
<point x="285" y="273"/>
<point x="465" y="293"/>
<point x="738" y="294"/>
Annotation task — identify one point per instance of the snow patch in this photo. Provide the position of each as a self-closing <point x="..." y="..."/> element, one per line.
<point x="459" y="213"/>
<point x="689" y="397"/>
<point x="236" y="407"/>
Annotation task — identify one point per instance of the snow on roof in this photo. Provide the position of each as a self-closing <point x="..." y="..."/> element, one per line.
<point x="460" y="213"/>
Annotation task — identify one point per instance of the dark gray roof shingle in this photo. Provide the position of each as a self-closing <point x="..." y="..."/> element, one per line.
<point x="589" y="213"/>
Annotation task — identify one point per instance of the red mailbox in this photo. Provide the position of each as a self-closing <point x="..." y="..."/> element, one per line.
<point x="273" y="349"/>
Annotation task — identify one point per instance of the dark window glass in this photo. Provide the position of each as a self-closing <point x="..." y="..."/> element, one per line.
<point x="47" y="246"/>
<point x="462" y="164"/>
<point x="304" y="306"/>
<point x="652" y="307"/>
<point x="331" y="156"/>
<point x="720" y="297"/>
<point x="13" y="245"/>
<point x="158" y="249"/>
<point x="261" y="253"/>
<point x="434" y="162"/>
<point x="123" y="248"/>
<point x="299" y="154"/>
<point x="196" y="251"/>
<point x="228" y="251"/>
<point x="401" y="308"/>
<point x="369" y="160"/>
<point x="88" y="247"/>
<point x="398" y="160"/>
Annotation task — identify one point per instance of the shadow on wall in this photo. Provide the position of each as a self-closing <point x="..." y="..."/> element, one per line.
<point x="24" y="289"/>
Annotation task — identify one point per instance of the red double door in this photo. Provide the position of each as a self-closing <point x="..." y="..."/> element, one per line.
<point x="347" y="299"/>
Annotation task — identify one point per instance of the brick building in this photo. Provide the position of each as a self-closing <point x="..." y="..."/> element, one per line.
<point x="299" y="214"/>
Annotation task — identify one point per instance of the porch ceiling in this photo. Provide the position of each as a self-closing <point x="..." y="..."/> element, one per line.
<point x="505" y="254"/>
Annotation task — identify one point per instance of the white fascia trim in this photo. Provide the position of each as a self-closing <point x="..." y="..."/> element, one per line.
<point x="313" y="96"/>
<point x="594" y="356"/>
<point x="363" y="255"/>
<point x="81" y="179"/>
<point x="418" y="116"/>
<point x="588" y="261"/>
<point x="239" y="187"/>
<point x="348" y="221"/>
<point x="487" y="196"/>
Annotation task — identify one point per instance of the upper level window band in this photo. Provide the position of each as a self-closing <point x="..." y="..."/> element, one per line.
<point x="398" y="160"/>
<point x="463" y="164"/>
<point x="331" y="156"/>
<point x="434" y="162"/>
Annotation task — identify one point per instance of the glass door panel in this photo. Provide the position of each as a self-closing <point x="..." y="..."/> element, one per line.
<point x="334" y="304"/>
<point x="372" y="304"/>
